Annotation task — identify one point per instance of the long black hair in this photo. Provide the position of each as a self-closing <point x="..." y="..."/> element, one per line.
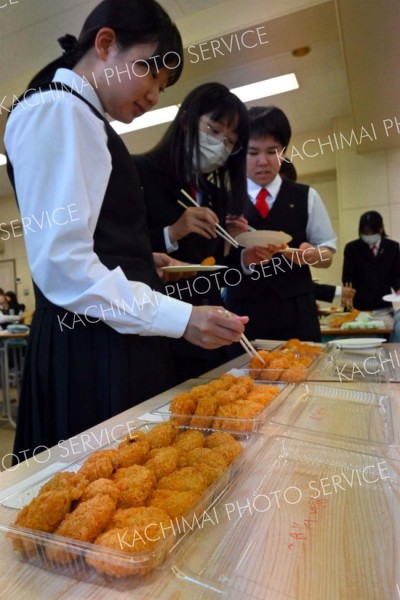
<point x="134" y="22"/>
<point x="372" y="221"/>
<point x="178" y="149"/>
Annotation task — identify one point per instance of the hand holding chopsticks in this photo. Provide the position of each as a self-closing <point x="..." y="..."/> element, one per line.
<point x="348" y="293"/>
<point x="220" y="230"/>
<point x="245" y="343"/>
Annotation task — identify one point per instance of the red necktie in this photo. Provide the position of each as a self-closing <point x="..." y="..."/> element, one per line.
<point x="374" y="249"/>
<point x="261" y="202"/>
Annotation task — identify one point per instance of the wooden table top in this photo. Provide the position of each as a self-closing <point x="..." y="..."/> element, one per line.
<point x="256" y="557"/>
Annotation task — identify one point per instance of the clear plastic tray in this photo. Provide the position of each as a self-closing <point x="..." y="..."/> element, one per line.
<point x="349" y="413"/>
<point x="306" y="522"/>
<point x="288" y="375"/>
<point x="140" y="564"/>
<point x="231" y="425"/>
<point x="370" y="365"/>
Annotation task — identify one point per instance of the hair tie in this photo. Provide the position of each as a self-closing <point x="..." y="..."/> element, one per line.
<point x="69" y="44"/>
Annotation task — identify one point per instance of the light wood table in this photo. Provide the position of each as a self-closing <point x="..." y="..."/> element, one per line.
<point x="22" y="581"/>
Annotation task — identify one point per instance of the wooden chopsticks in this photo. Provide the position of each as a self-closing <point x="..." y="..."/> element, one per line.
<point x="220" y="230"/>
<point x="250" y="349"/>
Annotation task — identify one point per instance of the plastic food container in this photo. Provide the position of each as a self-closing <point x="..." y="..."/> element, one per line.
<point x="232" y="425"/>
<point x="291" y="374"/>
<point x="346" y="413"/>
<point x="306" y="522"/>
<point x="35" y="545"/>
<point x="370" y="365"/>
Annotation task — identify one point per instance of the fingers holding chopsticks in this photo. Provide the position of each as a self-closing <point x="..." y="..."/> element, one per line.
<point x="200" y="220"/>
<point x="219" y="230"/>
<point x="212" y="327"/>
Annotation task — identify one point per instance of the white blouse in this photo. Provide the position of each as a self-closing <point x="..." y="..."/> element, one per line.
<point x="58" y="150"/>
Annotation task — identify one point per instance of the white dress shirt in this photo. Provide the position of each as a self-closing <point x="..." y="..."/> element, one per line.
<point x="319" y="230"/>
<point x="58" y="149"/>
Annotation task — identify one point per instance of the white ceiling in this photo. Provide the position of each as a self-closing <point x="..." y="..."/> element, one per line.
<point x="353" y="43"/>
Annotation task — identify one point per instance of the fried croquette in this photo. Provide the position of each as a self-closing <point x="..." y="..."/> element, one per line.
<point x="263" y="394"/>
<point x="183" y="404"/>
<point x="150" y="525"/>
<point x="46" y="511"/>
<point x="163" y="461"/>
<point x="131" y="438"/>
<point x="217" y="438"/>
<point x="85" y="523"/>
<point x="185" y="479"/>
<point x="101" y="486"/>
<point x="229" y="451"/>
<point x="175" y="503"/>
<point x="205" y="456"/>
<point x="210" y="473"/>
<point x="256" y="363"/>
<point x="187" y="440"/>
<point x="162" y="435"/>
<point x="245" y="381"/>
<point x="99" y="465"/>
<point x="134" y="453"/>
<point x="138" y="517"/>
<point x="75" y="483"/>
<point x="240" y="411"/>
<point x="43" y="513"/>
<point x="119" y="540"/>
<point x="206" y="407"/>
<point x="134" y="485"/>
<point x="199" y="391"/>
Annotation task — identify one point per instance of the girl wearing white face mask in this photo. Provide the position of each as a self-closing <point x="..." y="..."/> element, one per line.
<point x="372" y="263"/>
<point x="203" y="152"/>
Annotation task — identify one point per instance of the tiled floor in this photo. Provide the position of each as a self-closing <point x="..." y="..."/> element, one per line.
<point x="7" y="433"/>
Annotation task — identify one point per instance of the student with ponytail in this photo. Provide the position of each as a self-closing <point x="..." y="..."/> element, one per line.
<point x="94" y="347"/>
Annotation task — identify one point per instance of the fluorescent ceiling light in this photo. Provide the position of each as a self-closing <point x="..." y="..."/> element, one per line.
<point x="154" y="117"/>
<point x="3" y="159"/>
<point x="268" y="87"/>
<point x="246" y="93"/>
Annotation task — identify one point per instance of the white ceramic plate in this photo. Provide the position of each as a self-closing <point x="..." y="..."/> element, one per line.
<point x="354" y="343"/>
<point x="191" y="268"/>
<point x="391" y="298"/>
<point x="262" y="238"/>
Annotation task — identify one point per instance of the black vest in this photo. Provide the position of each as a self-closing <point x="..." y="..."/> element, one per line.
<point x="121" y="236"/>
<point x="281" y="277"/>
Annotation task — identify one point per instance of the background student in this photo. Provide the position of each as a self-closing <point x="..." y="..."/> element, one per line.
<point x="281" y="302"/>
<point x="94" y="349"/>
<point x="203" y="152"/>
<point x="372" y="263"/>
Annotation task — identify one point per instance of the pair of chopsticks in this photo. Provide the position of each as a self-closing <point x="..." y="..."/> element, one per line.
<point x="250" y="349"/>
<point x="220" y="230"/>
<point x="246" y="344"/>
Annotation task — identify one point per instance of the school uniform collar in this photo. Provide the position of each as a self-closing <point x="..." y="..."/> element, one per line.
<point x="81" y="86"/>
<point x="273" y="190"/>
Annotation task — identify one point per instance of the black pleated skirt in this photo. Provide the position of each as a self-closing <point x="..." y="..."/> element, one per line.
<point x="76" y="378"/>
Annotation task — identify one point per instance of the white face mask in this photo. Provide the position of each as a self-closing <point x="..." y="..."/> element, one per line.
<point x="213" y="153"/>
<point x="371" y="239"/>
